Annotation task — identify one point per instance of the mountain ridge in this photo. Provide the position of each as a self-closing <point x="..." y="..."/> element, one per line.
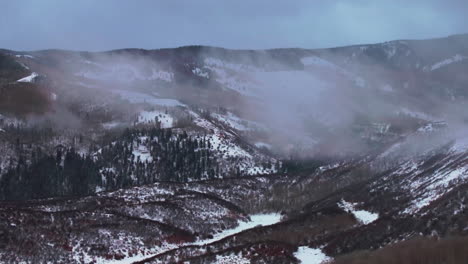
<point x="208" y="155"/>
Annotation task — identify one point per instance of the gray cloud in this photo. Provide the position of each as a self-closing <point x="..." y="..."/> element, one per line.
<point x="111" y="24"/>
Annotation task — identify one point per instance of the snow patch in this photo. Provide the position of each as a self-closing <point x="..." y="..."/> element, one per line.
<point x="142" y="152"/>
<point x="365" y="217"/>
<point x="29" y="78"/>
<point x="151" y="116"/>
<point x="255" y="220"/>
<point x="199" y="72"/>
<point x="438" y="65"/>
<point x="307" y="255"/>
<point x="24" y="56"/>
<point x="231" y="259"/>
<point x="220" y="143"/>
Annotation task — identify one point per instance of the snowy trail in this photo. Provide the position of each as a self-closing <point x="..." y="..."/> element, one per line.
<point x="256" y="220"/>
<point x="262" y="219"/>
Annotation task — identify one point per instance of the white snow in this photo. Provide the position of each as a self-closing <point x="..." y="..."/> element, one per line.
<point x="329" y="166"/>
<point x="430" y="189"/>
<point x="219" y="142"/>
<point x="456" y="58"/>
<point x="142" y="152"/>
<point x="128" y="260"/>
<point x="24" y="56"/>
<point x="224" y="143"/>
<point x="166" y="120"/>
<point x="255" y="220"/>
<point x="231" y="259"/>
<point x="363" y="216"/>
<point x="307" y="255"/>
<point x="29" y="78"/>
<point x="199" y="72"/>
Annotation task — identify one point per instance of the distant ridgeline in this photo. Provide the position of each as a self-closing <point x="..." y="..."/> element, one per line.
<point x="162" y="156"/>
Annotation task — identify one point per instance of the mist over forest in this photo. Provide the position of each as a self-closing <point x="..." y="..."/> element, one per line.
<point x="213" y="132"/>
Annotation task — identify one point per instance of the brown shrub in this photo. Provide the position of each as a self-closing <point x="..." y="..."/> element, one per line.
<point x="23" y="98"/>
<point x="421" y="250"/>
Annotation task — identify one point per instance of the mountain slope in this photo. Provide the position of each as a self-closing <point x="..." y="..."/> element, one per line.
<point x="173" y="155"/>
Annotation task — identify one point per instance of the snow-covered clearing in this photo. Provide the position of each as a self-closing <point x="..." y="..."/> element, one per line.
<point x="166" y="120"/>
<point x="309" y="255"/>
<point x="363" y="216"/>
<point x="255" y="220"/>
<point x="225" y="146"/>
<point x="29" y="78"/>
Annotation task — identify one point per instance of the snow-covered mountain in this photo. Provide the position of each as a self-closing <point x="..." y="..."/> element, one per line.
<point x="175" y="155"/>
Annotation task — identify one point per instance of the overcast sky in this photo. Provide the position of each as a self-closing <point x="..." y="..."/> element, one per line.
<point x="241" y="24"/>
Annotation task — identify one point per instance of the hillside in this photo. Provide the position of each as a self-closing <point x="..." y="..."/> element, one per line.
<point x="208" y="155"/>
